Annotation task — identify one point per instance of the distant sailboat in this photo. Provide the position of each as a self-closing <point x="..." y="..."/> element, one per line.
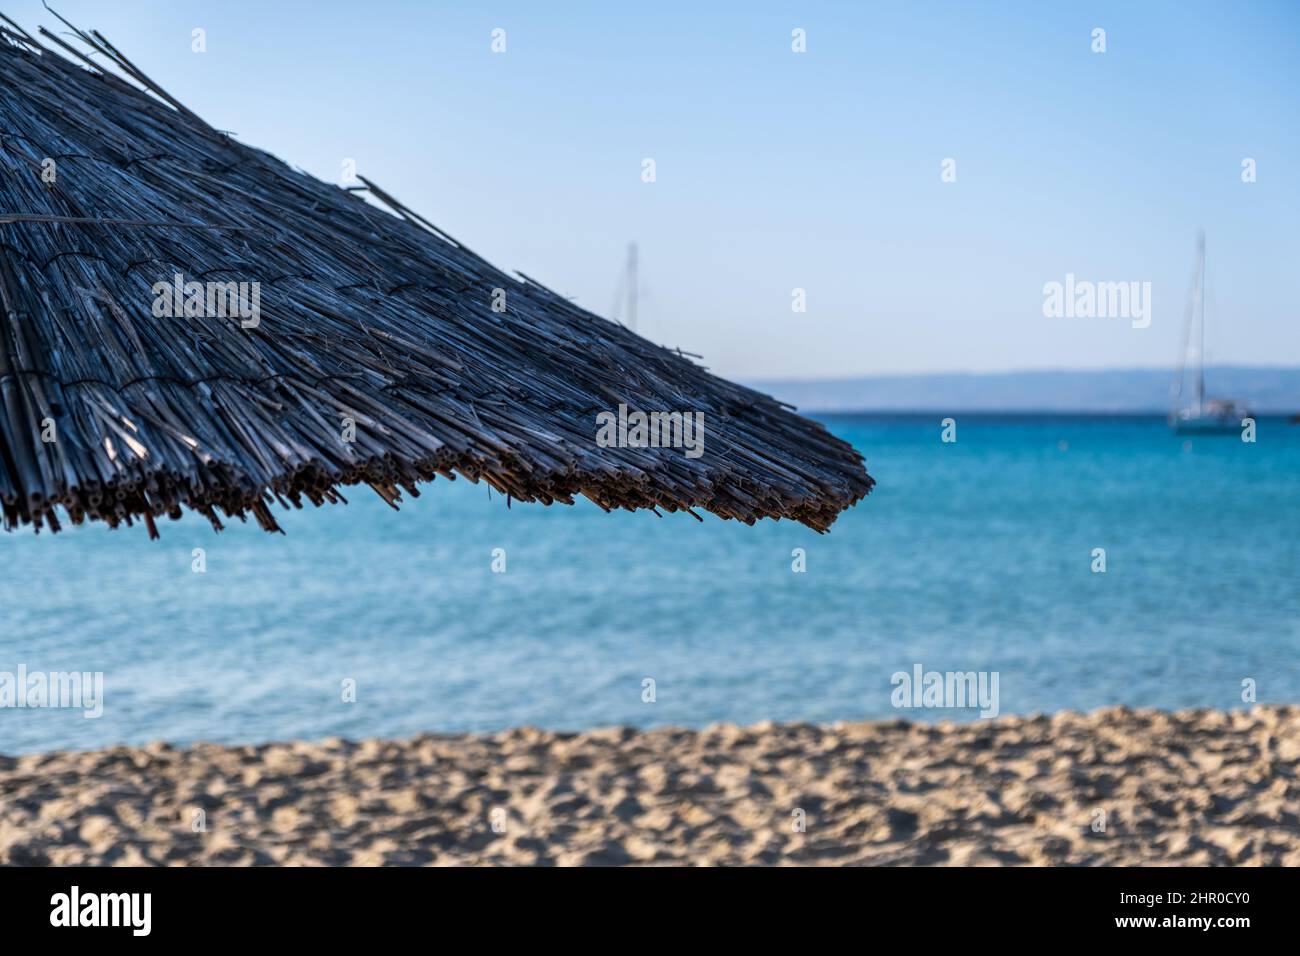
<point x="1204" y="416"/>
<point x="628" y="289"/>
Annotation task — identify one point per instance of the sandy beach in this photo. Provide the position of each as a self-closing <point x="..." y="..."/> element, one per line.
<point x="1195" y="787"/>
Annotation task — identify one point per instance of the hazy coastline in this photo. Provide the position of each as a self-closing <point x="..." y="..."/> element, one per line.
<point x="1267" y="390"/>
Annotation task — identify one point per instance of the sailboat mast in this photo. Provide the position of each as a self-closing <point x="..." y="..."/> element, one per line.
<point x="1200" y="348"/>
<point x="632" y="292"/>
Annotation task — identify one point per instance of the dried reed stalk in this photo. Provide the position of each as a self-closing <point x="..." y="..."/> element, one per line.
<point x="381" y="319"/>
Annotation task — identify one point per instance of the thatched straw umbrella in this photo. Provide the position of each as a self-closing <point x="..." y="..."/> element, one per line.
<point x="138" y="378"/>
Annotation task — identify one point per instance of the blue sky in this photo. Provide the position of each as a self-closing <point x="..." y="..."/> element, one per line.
<point x="778" y="170"/>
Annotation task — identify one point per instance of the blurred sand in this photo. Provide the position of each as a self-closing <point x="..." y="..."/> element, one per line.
<point x="1195" y="787"/>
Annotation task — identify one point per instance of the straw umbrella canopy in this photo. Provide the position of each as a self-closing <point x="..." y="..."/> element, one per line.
<point x="190" y="323"/>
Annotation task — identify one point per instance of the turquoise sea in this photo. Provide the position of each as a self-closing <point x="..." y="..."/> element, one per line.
<point x="974" y="555"/>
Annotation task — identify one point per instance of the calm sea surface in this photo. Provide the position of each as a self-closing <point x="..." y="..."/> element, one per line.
<point x="969" y="556"/>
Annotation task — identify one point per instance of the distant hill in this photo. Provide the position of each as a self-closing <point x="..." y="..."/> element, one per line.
<point x="1265" y="390"/>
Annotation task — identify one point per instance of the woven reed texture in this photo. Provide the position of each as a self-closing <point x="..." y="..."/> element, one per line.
<point x="368" y="316"/>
